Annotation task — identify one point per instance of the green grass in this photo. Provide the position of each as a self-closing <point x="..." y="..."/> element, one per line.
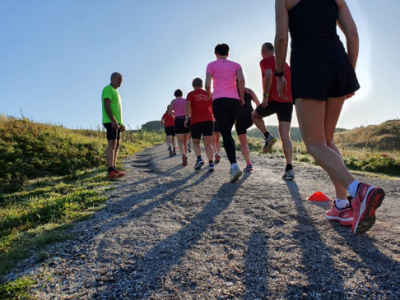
<point x="362" y="159"/>
<point x="51" y="177"/>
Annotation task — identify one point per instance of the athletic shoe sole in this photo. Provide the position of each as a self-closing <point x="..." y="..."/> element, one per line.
<point x="199" y="165"/>
<point x="236" y="177"/>
<point x="268" y="148"/>
<point x="210" y="169"/>
<point x="368" y="208"/>
<point x="343" y="222"/>
<point x="288" y="177"/>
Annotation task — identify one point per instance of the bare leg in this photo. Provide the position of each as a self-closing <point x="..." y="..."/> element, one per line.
<point x="331" y="117"/>
<point x="116" y="152"/>
<point x="173" y="143"/>
<point x="217" y="136"/>
<point x="244" y="146"/>
<point x="284" y="133"/>
<point x="169" y="140"/>
<point x="207" y="146"/>
<point x="311" y="115"/>
<point x="110" y="152"/>
<point x="182" y="143"/>
<point x="196" y="147"/>
<point x="259" y="122"/>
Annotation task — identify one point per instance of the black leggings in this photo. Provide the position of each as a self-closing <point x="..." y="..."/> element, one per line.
<point x="226" y="111"/>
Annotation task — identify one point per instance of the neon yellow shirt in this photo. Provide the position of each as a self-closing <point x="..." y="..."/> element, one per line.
<point x="116" y="106"/>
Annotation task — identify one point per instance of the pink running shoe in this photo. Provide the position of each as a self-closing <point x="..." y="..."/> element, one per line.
<point x="344" y="216"/>
<point x="365" y="203"/>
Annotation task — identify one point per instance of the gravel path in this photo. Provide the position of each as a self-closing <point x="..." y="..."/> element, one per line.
<point x="169" y="232"/>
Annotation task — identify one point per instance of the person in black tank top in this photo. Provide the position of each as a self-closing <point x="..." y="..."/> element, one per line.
<point x="243" y="122"/>
<point x="323" y="76"/>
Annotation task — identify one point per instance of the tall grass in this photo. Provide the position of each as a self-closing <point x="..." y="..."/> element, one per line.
<point x="51" y="176"/>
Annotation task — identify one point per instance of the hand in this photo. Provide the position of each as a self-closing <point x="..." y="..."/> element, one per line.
<point x="122" y="128"/>
<point x="185" y="124"/>
<point x="114" y="125"/>
<point x="349" y="95"/>
<point x="264" y="103"/>
<point x="282" y="87"/>
<point x="241" y="102"/>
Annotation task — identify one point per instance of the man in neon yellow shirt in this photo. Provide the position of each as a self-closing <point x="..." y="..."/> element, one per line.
<point x="112" y="121"/>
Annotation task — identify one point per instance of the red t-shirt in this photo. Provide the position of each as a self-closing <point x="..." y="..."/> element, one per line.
<point x="169" y="120"/>
<point x="269" y="63"/>
<point x="200" y="106"/>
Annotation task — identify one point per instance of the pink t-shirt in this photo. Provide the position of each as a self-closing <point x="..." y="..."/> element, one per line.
<point x="223" y="73"/>
<point x="179" y="107"/>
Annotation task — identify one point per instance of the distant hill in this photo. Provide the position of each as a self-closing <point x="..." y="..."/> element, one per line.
<point x="153" y="126"/>
<point x="385" y="136"/>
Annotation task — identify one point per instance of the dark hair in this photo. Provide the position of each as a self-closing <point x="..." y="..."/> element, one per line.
<point x="178" y="93"/>
<point x="113" y="75"/>
<point x="222" y="49"/>
<point x="197" y="82"/>
<point x="268" y="47"/>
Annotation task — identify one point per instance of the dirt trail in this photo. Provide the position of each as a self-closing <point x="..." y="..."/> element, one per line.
<point x="169" y="232"/>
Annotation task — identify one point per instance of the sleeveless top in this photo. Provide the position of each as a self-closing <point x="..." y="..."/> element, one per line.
<point x="179" y="107"/>
<point x="247" y="108"/>
<point x="312" y="26"/>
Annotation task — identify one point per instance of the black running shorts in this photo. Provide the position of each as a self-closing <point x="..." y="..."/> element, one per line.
<point x="205" y="128"/>
<point x="170" y="130"/>
<point x="326" y="80"/>
<point x="179" y="125"/>
<point x="243" y="122"/>
<point x="112" y="134"/>
<point x="283" y="110"/>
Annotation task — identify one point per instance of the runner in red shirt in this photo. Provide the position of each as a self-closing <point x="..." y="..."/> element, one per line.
<point x="201" y="122"/>
<point x="273" y="104"/>
<point x="169" y="124"/>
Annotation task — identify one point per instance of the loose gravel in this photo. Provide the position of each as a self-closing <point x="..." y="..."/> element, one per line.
<point x="176" y="233"/>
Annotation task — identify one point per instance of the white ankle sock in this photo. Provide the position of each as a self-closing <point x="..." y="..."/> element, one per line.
<point x="234" y="166"/>
<point x="216" y="153"/>
<point x="341" y="203"/>
<point x="352" y="189"/>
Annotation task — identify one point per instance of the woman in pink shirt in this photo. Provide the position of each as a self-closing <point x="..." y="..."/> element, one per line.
<point x="182" y="133"/>
<point x="226" y="101"/>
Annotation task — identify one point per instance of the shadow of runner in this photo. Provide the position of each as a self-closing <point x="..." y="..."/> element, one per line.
<point x="256" y="273"/>
<point x="384" y="269"/>
<point x="323" y="278"/>
<point x="146" y="275"/>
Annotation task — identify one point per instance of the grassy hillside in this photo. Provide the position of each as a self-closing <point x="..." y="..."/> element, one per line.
<point x="375" y="148"/>
<point x="51" y="176"/>
<point x="382" y="137"/>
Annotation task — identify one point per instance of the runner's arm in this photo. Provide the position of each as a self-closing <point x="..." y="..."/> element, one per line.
<point x="107" y="106"/>
<point x="171" y="107"/>
<point x="349" y="28"/>
<point x="281" y="42"/>
<point x="241" y="83"/>
<point x="254" y="97"/>
<point x="208" y="84"/>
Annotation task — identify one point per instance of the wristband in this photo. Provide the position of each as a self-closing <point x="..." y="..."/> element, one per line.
<point x="279" y="74"/>
<point x="266" y="95"/>
<point x="187" y="117"/>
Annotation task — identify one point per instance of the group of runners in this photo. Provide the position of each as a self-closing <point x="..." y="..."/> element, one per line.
<point x="207" y="115"/>
<point x="321" y="77"/>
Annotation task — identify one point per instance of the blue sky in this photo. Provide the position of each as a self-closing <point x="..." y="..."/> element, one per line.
<point x="57" y="55"/>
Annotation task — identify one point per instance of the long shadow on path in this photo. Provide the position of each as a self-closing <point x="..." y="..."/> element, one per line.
<point x="323" y="278"/>
<point x="150" y="269"/>
<point x="383" y="268"/>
